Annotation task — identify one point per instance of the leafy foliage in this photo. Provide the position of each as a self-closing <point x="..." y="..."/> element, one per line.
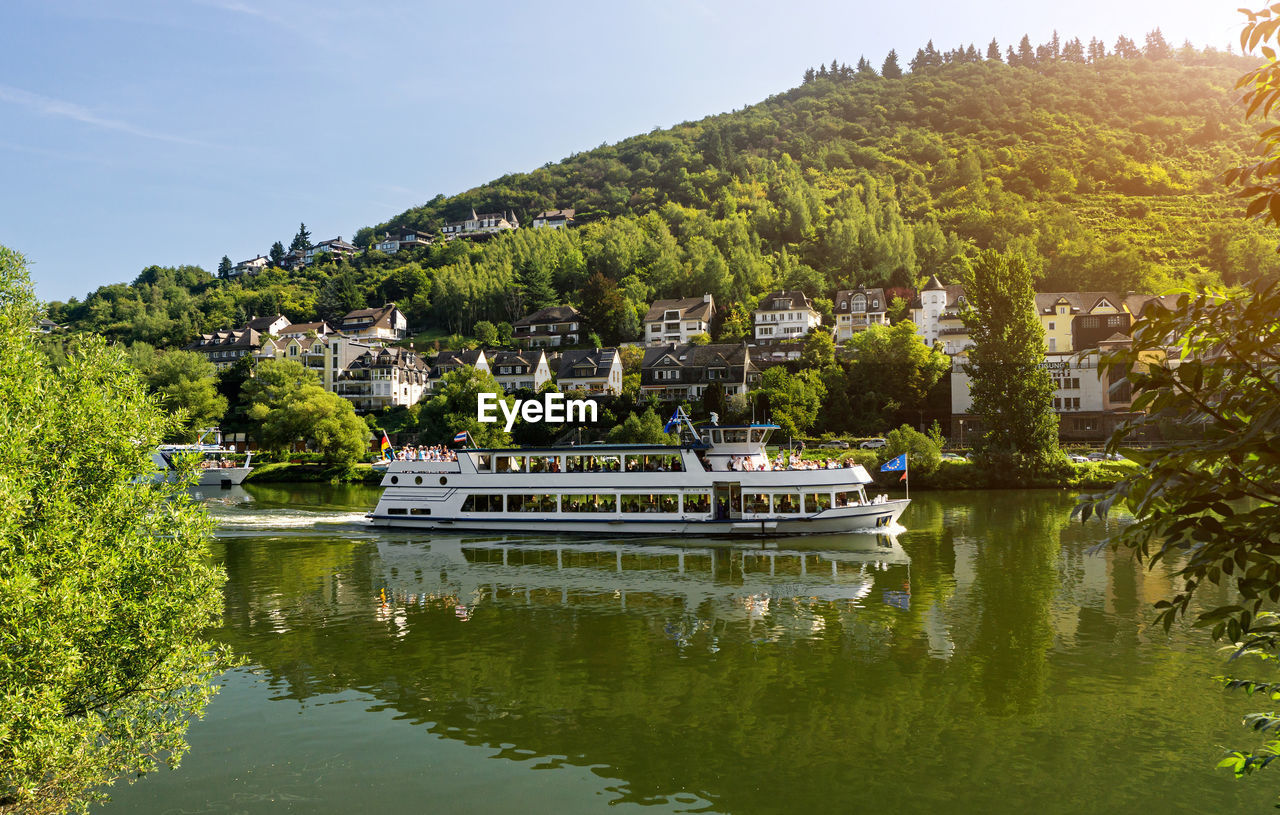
<point x="1099" y="169"/>
<point x="453" y="409"/>
<point x="186" y="384"/>
<point x="1012" y="391"/>
<point x="288" y="403"/>
<point x="644" y="428"/>
<point x="105" y="587"/>
<point x="792" y="401"/>
<point x="925" y="452"/>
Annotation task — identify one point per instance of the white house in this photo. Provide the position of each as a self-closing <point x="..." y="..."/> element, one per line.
<point x="856" y="309"/>
<point x="677" y="321"/>
<point x="386" y="324"/>
<point x="593" y="370"/>
<point x="936" y="313"/>
<point x="553" y="219"/>
<point x="335" y="246"/>
<point x="382" y="377"/>
<point x="520" y="370"/>
<point x="487" y="223"/>
<point x="252" y="266"/>
<point x="785" y="315"/>
<point x="393" y="242"/>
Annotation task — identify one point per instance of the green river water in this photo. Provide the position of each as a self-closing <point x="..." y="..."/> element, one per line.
<point x="983" y="661"/>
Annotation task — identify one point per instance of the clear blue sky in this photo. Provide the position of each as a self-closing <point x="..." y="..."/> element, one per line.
<point x="139" y="132"/>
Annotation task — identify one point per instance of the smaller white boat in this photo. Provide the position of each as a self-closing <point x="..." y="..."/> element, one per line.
<point x="215" y="463"/>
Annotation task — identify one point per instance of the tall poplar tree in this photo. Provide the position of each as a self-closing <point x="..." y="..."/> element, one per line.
<point x="1011" y="389"/>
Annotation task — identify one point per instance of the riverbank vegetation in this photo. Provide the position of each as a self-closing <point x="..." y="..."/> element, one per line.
<point x="106" y="591"/>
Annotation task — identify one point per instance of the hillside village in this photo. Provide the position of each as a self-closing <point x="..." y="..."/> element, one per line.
<point x="363" y="356"/>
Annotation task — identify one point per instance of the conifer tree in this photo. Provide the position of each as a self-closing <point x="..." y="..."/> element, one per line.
<point x="864" y="67"/>
<point x="1012" y="391"/>
<point x="993" y="51"/>
<point x="891" y="69"/>
<point x="1157" y="47"/>
<point x="1026" y="54"/>
<point x="276" y="254"/>
<point x="224" y="267"/>
<point x="809" y="75"/>
<point x="301" y="241"/>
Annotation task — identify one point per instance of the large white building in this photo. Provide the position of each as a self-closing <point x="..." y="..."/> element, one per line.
<point x="678" y="321"/>
<point x="936" y="313"/>
<point x="857" y="309"/>
<point x="785" y="315"/>
<point x="593" y="370"/>
<point x="386" y="324"/>
<point x="487" y="223"/>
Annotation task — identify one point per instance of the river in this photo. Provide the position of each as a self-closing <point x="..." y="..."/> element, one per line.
<point x="983" y="661"/>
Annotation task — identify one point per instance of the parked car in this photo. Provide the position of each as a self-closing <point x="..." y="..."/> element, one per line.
<point x="837" y="444"/>
<point x="953" y="457"/>
<point x="873" y="444"/>
<point x="1078" y="459"/>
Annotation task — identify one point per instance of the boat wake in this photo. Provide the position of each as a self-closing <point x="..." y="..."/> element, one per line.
<point x="286" y="519"/>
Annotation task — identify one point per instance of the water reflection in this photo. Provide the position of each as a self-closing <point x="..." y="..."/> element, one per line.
<point x="983" y="661"/>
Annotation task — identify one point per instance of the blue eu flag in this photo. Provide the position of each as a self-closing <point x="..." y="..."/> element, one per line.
<point x="895" y="465"/>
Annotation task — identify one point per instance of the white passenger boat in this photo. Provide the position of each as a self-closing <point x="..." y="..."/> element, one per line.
<point x="719" y="481"/>
<point x="214" y="463"/>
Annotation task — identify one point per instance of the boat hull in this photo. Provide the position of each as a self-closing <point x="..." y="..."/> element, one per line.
<point x="211" y="477"/>
<point x="874" y="517"/>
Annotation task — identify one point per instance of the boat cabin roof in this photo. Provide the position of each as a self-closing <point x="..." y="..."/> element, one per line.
<point x="585" y="449"/>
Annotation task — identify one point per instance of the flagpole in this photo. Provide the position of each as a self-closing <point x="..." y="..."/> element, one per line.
<point x="906" y="471"/>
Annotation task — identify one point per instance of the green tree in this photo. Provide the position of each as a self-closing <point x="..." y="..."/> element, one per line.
<point x="892" y="374"/>
<point x="891" y="69"/>
<point x="791" y="400"/>
<point x="289" y="405"/>
<point x="276" y="254"/>
<point x="924" y="452"/>
<point x="645" y="428"/>
<point x="341" y="295"/>
<point x="819" y="351"/>
<point x="453" y="409"/>
<point x="486" y="333"/>
<point x="187" y="385"/>
<point x="105" y="584"/>
<point x="224" y="267"/>
<point x="1011" y="389"/>
<point x="604" y="310"/>
<point x="302" y="240"/>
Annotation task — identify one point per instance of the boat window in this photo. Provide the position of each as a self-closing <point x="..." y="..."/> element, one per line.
<point x="398" y="511"/>
<point x="717" y="436"/>
<point x="510" y="464"/>
<point x="591" y="464"/>
<point x="706" y="437"/>
<point x="755" y="502"/>
<point x="846" y="499"/>
<point x="484" y="462"/>
<point x="697" y="502"/>
<point x="786" y="502"/>
<point x="651" y="502"/>
<point x="756" y="435"/>
<point x="817" y="501"/>
<point x="531" y="503"/>
<point x="735" y="437"/>
<point x="419" y="511"/>
<point x="544" y="464"/>
<point x="588" y="503"/>
<point x="482" y="503"/>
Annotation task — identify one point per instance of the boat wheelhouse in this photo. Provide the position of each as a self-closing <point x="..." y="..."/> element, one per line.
<point x="720" y="481"/>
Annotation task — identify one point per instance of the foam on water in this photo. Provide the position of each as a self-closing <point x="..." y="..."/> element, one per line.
<point x="287" y="519"/>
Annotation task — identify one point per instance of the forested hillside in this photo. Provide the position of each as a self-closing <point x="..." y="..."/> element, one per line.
<point x="1101" y="169"/>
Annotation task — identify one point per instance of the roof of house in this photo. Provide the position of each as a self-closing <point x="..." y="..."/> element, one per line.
<point x="261" y="324"/>
<point x="296" y="329"/>
<point x="555" y="214"/>
<point x="370" y="317"/>
<point x="954" y="294"/>
<point x="530" y="357"/>
<point x="690" y="308"/>
<point x="455" y="359"/>
<point x="785" y="300"/>
<point x="550" y="314"/>
<point x="335" y="243"/>
<point x="934" y="284"/>
<point x="389" y="357"/>
<point x="694" y="360"/>
<point x="876" y="300"/>
<point x="599" y="361"/>
<point x="1081" y="302"/>
<point x="226" y="340"/>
